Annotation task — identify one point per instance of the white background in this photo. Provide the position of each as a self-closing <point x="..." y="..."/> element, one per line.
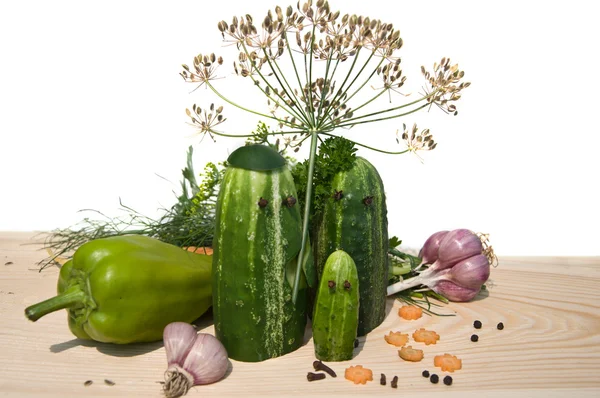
<point x="92" y="108"/>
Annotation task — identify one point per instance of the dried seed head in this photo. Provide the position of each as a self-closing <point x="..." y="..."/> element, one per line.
<point x="417" y="141"/>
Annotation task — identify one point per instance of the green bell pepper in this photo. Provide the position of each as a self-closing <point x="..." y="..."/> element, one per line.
<point x="126" y="289"/>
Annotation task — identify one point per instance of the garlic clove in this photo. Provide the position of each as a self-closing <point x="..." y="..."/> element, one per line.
<point x="178" y="338"/>
<point x="456" y="246"/>
<point x="454" y="292"/>
<point x="207" y="360"/>
<point x="429" y="251"/>
<point x="472" y="272"/>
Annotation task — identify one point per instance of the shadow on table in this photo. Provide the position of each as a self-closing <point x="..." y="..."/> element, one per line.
<point x="117" y="350"/>
<point x="483" y="294"/>
<point x="127" y="350"/>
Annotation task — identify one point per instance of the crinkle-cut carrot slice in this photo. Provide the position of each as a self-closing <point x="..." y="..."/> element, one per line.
<point x="410" y="354"/>
<point x="410" y="312"/>
<point x="426" y="336"/>
<point x="200" y="250"/>
<point x="358" y="375"/>
<point x="396" y="338"/>
<point x="447" y="362"/>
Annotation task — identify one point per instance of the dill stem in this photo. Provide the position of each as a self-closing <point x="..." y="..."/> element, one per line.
<point x="294" y="110"/>
<point x="324" y="92"/>
<point x="367" y="146"/>
<point x="244" y="108"/>
<point x="339" y="93"/>
<point x="307" y="205"/>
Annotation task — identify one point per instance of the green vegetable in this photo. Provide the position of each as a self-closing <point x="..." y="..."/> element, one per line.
<point x="126" y="289"/>
<point x="335" y="154"/>
<point x="355" y="220"/>
<point x="335" y="318"/>
<point x="256" y="245"/>
<point x="189" y="222"/>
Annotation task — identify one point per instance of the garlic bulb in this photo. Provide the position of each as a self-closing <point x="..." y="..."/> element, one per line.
<point x="460" y="267"/>
<point x="193" y="359"/>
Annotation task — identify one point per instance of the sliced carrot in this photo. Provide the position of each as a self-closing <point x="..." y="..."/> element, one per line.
<point x="426" y="336"/>
<point x="200" y="250"/>
<point x="410" y="354"/>
<point x="410" y="312"/>
<point x="447" y="362"/>
<point x="358" y="375"/>
<point x="396" y="338"/>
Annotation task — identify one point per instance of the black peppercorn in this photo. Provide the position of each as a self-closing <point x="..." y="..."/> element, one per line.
<point x="434" y="378"/>
<point x="448" y="380"/>
<point x="425" y="373"/>
<point x="474" y="338"/>
<point x="500" y="326"/>
<point x="477" y="324"/>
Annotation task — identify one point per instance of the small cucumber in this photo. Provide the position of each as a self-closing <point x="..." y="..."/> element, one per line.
<point x="335" y="318"/>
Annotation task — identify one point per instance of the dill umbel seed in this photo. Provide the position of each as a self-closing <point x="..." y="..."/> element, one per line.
<point x="477" y="324"/>
<point x="474" y="338"/>
<point x="425" y="373"/>
<point x="500" y="326"/>
<point x="448" y="380"/>
<point x="434" y="378"/>
<point x="88" y="383"/>
<point x="109" y="382"/>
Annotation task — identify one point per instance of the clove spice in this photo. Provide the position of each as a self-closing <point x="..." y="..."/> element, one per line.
<point x="382" y="380"/>
<point x="315" y="376"/>
<point x="394" y="382"/>
<point x="319" y="365"/>
<point x="262" y="203"/>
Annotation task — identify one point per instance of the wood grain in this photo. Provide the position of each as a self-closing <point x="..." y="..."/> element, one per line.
<point x="550" y="346"/>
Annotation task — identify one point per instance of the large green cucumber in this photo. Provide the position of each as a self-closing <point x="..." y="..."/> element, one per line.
<point x="335" y="317"/>
<point x="354" y="219"/>
<point x="257" y="239"/>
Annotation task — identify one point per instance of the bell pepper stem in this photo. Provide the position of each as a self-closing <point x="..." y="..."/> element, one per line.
<point x="74" y="296"/>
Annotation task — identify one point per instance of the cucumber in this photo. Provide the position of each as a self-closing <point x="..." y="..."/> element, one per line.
<point x="354" y="219"/>
<point x="256" y="244"/>
<point x="335" y="317"/>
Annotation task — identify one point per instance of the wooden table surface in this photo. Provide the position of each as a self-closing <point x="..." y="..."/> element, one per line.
<point x="550" y="346"/>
